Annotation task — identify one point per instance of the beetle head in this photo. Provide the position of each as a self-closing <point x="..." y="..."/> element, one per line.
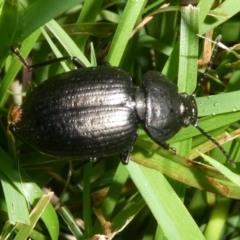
<point x="188" y="110"/>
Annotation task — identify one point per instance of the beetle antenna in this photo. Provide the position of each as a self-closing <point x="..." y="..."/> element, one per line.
<point x="217" y="144"/>
<point x="209" y="66"/>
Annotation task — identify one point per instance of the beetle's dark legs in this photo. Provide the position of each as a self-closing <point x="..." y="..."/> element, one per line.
<point x="107" y="64"/>
<point x="77" y="62"/>
<point x="125" y="156"/>
<point x="166" y="146"/>
<point x="16" y="51"/>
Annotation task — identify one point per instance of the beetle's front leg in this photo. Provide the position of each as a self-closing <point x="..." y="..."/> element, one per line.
<point x="77" y="62"/>
<point x="166" y="146"/>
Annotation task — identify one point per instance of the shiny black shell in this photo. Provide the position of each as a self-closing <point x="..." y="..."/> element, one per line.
<point x="85" y="113"/>
<point x="163" y="107"/>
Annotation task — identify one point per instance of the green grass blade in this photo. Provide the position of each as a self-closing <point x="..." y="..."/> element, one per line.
<point x="125" y="27"/>
<point x="119" y="179"/>
<point x="184" y="170"/>
<point x="218" y="104"/>
<point x="8" y="23"/>
<point x="40" y="207"/>
<point x="228" y="8"/>
<point x="71" y="223"/>
<point x="41" y="11"/>
<point x="67" y="42"/>
<point x="31" y="192"/>
<point x="166" y="207"/>
<point x="27" y="45"/>
<point x="221" y="168"/>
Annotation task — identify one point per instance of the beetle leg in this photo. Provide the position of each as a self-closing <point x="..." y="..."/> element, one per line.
<point x="125" y="156"/>
<point x="77" y="62"/>
<point x="166" y="146"/>
<point x="107" y="64"/>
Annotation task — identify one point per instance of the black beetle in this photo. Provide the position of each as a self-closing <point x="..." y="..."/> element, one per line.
<point x="93" y="112"/>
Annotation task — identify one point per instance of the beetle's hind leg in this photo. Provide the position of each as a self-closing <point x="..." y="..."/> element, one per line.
<point x="125" y="156"/>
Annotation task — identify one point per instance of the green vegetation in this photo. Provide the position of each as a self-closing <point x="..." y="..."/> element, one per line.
<point x="144" y="199"/>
